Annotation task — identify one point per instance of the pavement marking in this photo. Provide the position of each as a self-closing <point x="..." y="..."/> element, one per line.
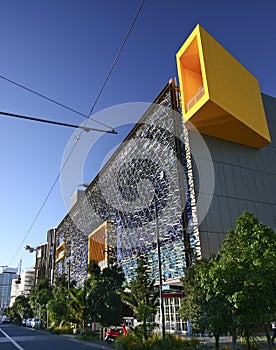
<point x="11" y="340"/>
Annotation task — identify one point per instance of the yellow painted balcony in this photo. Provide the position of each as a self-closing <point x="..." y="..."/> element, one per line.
<point x="220" y="97"/>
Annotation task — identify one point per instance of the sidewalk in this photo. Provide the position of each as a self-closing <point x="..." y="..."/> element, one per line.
<point x="101" y="344"/>
<point x="227" y="341"/>
<point x="208" y="341"/>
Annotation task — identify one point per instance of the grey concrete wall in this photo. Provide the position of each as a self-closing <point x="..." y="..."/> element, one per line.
<point x="244" y="178"/>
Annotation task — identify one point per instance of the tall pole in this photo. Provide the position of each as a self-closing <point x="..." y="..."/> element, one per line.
<point x="162" y="314"/>
<point x="47" y="316"/>
<point x="69" y="272"/>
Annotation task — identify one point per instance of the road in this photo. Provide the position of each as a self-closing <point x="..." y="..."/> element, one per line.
<point x="13" y="337"/>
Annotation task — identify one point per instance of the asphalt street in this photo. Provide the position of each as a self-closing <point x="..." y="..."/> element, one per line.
<point x="13" y="337"/>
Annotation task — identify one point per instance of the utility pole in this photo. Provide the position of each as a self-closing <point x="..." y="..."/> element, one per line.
<point x="162" y="314"/>
<point x="69" y="271"/>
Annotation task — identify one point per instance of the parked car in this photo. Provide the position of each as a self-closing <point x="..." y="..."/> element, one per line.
<point x="28" y="322"/>
<point x="23" y="322"/>
<point x="114" y="332"/>
<point x="35" y="322"/>
<point x="5" y="319"/>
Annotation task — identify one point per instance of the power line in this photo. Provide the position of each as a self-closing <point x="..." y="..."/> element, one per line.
<point x="78" y="138"/>
<point x="45" y="201"/>
<point x="85" y="128"/>
<point x="117" y="57"/>
<point x="24" y="87"/>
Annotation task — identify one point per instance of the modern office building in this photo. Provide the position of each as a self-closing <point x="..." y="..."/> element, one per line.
<point x="6" y="278"/>
<point x="199" y="157"/>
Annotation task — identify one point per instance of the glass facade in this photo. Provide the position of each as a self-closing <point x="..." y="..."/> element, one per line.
<point x="144" y="172"/>
<point x="173" y="322"/>
<point x="143" y="188"/>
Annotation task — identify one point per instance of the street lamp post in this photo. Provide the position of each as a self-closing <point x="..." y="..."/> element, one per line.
<point x="69" y="271"/>
<point x="162" y="314"/>
<point x="47" y="316"/>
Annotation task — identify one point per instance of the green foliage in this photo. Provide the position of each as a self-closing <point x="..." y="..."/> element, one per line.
<point x="88" y="335"/>
<point x="58" y="306"/>
<point x="101" y="295"/>
<point x="98" y="301"/>
<point x="234" y="291"/>
<point x="155" y="342"/>
<point x="142" y="298"/>
<point x="21" y="308"/>
<point x="76" y="306"/>
<point x="201" y="305"/>
<point x="245" y="270"/>
<point x="61" y="330"/>
<point x="40" y="297"/>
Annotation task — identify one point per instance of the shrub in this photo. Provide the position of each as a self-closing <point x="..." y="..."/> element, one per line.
<point x="88" y="335"/>
<point x="154" y="342"/>
<point x="62" y="330"/>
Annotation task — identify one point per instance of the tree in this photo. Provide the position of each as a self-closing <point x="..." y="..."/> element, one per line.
<point x="102" y="302"/>
<point x="245" y="274"/>
<point x="40" y="297"/>
<point x="21" y="308"/>
<point x="76" y="306"/>
<point x="58" y="306"/>
<point x="237" y="283"/>
<point x="200" y="304"/>
<point x="142" y="297"/>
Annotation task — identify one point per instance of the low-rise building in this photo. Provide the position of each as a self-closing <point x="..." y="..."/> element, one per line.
<point x="26" y="285"/>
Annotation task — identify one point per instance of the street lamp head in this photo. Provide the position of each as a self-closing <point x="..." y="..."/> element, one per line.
<point x="30" y="249"/>
<point x="84" y="185"/>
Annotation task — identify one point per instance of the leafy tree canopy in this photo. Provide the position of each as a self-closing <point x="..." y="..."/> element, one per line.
<point x="101" y="294"/>
<point x="142" y="297"/>
<point x="237" y="284"/>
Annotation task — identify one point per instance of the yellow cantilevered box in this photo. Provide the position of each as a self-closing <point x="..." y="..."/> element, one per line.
<point x="220" y="97"/>
<point x="97" y="244"/>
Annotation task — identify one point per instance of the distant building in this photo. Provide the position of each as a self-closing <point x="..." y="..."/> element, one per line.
<point x="27" y="281"/>
<point x="50" y="255"/>
<point x="15" y="291"/>
<point x="41" y="259"/>
<point x="44" y="258"/>
<point x="25" y="286"/>
<point x="6" y="278"/>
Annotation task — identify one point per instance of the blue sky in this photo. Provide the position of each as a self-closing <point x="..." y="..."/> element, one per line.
<point x="63" y="49"/>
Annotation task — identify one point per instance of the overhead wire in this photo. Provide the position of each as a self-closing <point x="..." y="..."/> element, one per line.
<point x="78" y="138"/>
<point x="117" y="57"/>
<point x="24" y="87"/>
<point x="85" y="128"/>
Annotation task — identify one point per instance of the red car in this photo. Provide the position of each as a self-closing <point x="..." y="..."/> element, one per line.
<point x="113" y="333"/>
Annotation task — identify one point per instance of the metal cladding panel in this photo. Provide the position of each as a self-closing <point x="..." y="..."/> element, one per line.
<point x="238" y="181"/>
<point x="216" y="215"/>
<point x="245" y="180"/>
<point x="219" y="96"/>
<point x="211" y="242"/>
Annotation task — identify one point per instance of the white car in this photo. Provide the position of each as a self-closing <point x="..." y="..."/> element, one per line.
<point x="35" y="322"/>
<point x="28" y="322"/>
<point x="5" y="319"/>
